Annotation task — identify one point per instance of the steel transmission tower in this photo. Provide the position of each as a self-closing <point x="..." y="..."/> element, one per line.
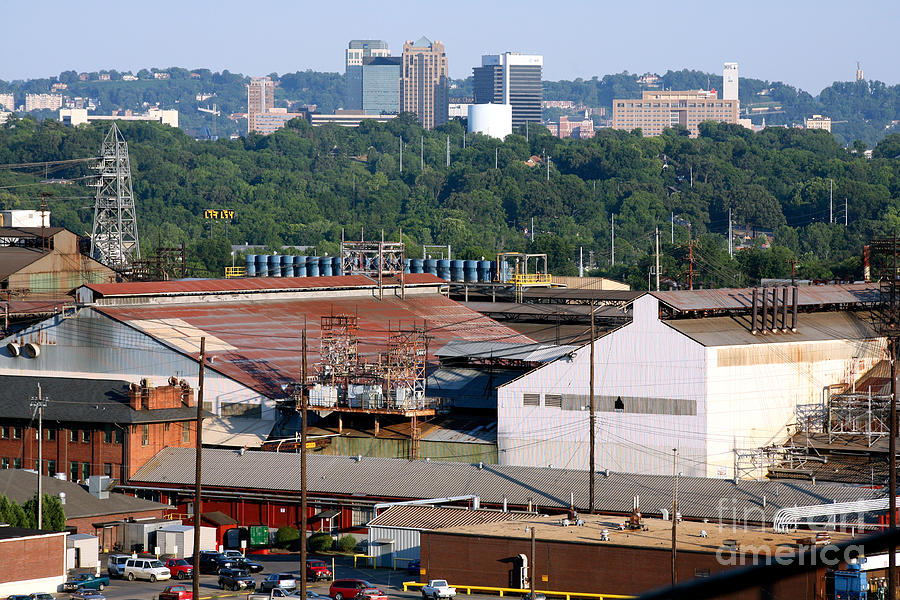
<point x="114" y="238"/>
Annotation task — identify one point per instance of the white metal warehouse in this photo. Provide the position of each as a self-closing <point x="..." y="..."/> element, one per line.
<point x="694" y="370"/>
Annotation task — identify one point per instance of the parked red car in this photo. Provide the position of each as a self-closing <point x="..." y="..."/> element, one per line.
<point x="347" y="589"/>
<point x="317" y="569"/>
<point x="180" y="568"/>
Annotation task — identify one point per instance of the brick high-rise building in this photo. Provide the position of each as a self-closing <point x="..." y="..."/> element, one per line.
<point x="260" y="99"/>
<point x="657" y="110"/>
<point x="511" y="78"/>
<point x="424" y="84"/>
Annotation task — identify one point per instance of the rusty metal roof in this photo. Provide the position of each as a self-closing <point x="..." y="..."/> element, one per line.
<point x="412" y="516"/>
<point x="257" y="342"/>
<point x="742" y="298"/>
<point x="250" y="284"/>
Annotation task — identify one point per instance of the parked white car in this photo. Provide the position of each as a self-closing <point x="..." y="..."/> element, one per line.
<point x="146" y="568"/>
<point x="436" y="589"/>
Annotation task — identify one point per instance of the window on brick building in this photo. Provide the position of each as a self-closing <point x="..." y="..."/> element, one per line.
<point x="118" y="435"/>
<point x="4" y="463"/>
<point x="17" y="433"/>
<point x="51" y="435"/>
<point x="73" y="471"/>
<point x="86" y="436"/>
<point x="4" y="432"/>
<point x="51" y="468"/>
<point x="107" y="469"/>
<point x="73" y="435"/>
<point x="145" y="435"/>
<point x="17" y="463"/>
<point x="185" y="433"/>
<point x="107" y="434"/>
<point x="85" y="470"/>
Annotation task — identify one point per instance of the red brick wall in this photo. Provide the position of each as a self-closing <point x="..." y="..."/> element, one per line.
<point x="162" y="435"/>
<point x="33" y="558"/>
<point x="604" y="569"/>
<point x="95" y="452"/>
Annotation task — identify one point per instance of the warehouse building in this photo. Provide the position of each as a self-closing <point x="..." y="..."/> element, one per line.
<point x="709" y="372"/>
<point x="33" y="560"/>
<point x="252" y="327"/>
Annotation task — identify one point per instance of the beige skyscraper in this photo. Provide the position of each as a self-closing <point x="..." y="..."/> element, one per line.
<point x="260" y="99"/>
<point x="424" y="85"/>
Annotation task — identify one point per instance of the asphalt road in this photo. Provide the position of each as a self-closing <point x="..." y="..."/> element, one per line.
<point x="388" y="580"/>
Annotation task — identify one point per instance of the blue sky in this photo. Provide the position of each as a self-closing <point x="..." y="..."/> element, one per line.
<point x="803" y="43"/>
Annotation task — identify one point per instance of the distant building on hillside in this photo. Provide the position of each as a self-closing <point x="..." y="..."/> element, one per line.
<point x="43" y="102"/>
<point x="657" y="110"/>
<point x="7" y="101"/>
<point x="348" y="118"/>
<point x="77" y="116"/>
<point x="511" y="78"/>
<point x="424" y="82"/>
<point x="730" y="81"/>
<point x="571" y="127"/>
<point x="819" y="122"/>
<point x="381" y="85"/>
<point x="262" y="116"/>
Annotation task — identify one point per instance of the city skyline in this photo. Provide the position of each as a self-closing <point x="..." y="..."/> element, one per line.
<point x="805" y="45"/>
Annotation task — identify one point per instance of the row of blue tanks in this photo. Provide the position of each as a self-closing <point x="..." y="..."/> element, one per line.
<point x="286" y="265"/>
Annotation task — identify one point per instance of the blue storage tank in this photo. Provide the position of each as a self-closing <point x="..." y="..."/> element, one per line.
<point x="470" y="270"/>
<point x="312" y="266"/>
<point x="299" y="266"/>
<point x="336" y="265"/>
<point x="406" y="266"/>
<point x="443" y="269"/>
<point x="430" y="266"/>
<point x="262" y="265"/>
<point x="457" y="270"/>
<point x="495" y="272"/>
<point x="325" y="266"/>
<point x="274" y="265"/>
<point x="415" y="265"/>
<point x="287" y="266"/>
<point x="251" y="265"/>
<point x="484" y="271"/>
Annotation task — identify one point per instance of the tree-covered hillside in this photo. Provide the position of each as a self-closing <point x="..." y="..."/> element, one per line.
<point x="303" y="185"/>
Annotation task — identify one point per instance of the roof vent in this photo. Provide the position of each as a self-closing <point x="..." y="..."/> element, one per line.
<point x="31" y="350"/>
<point x="358" y="458"/>
<point x="480" y="466"/>
<point x="62" y="497"/>
<point x="14" y="349"/>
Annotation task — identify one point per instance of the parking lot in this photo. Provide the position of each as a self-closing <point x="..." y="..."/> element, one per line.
<point x="388" y="580"/>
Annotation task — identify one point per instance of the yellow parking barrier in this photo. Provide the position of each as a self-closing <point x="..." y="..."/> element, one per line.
<point x="501" y="590"/>
<point x="369" y="557"/>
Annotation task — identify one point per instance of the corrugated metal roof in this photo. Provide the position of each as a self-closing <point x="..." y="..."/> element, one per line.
<point x="811" y="327"/>
<point x="504" y="350"/>
<point x="546" y="487"/>
<point x="426" y="518"/>
<point x="742" y="298"/>
<point x="258" y="342"/>
<point x="236" y="432"/>
<point x="249" y="284"/>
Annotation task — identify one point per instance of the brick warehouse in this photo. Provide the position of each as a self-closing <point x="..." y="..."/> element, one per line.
<point x="33" y="560"/>
<point x="584" y="559"/>
<point x="92" y="427"/>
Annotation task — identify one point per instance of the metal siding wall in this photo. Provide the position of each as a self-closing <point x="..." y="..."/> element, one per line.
<point x="644" y="359"/>
<point x="406" y="544"/>
<point x="93" y="346"/>
<point x="399" y="448"/>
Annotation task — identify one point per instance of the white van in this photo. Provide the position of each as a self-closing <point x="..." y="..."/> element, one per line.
<point x="115" y="564"/>
<point x="146" y="568"/>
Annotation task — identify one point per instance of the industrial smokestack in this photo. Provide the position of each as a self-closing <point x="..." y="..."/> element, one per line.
<point x="794" y="312"/>
<point x="765" y="311"/>
<point x="753" y="329"/>
<point x="784" y="309"/>
<point x="774" y="310"/>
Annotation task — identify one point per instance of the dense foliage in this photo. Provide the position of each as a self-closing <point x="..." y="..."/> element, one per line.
<point x="304" y="186"/>
<point x="53" y="513"/>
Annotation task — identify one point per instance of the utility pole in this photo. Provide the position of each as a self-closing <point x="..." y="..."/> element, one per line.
<point x="674" y="513"/>
<point x="532" y="573"/>
<point x="401" y="161"/>
<point x="592" y="420"/>
<point x="657" y="259"/>
<point x="448" y="150"/>
<point x="422" y="159"/>
<point x="198" y="506"/>
<point x="831" y="200"/>
<point x="39" y="403"/>
<point x="612" y="241"/>
<point x="495" y="156"/>
<point x="730" y="237"/>
<point x="548" y="167"/>
<point x="526" y="131"/>
<point x="845" y="212"/>
<point x="532" y="229"/>
<point x="673" y="229"/>
<point x="892" y="450"/>
<point x="303" y="432"/>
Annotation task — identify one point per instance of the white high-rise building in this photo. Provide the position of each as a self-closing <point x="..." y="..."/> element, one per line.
<point x="730" y="81"/>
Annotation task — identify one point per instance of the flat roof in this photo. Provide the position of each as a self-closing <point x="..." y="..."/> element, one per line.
<point x="742" y="298"/>
<point x="656" y="534"/>
<point x="418" y="516"/>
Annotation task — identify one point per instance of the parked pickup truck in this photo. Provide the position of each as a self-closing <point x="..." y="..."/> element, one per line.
<point x="86" y="580"/>
<point x="273" y="593"/>
<point x="176" y="592"/>
<point x="437" y="588"/>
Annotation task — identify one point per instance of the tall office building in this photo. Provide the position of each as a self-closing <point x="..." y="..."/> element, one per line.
<point x="381" y="85"/>
<point x="260" y="99"/>
<point x="354" y="56"/>
<point x="424" y="84"/>
<point x="730" y="81"/>
<point x="511" y="78"/>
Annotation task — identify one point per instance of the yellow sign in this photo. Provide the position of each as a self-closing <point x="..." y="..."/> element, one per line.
<point x="544" y="578"/>
<point x="225" y="215"/>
